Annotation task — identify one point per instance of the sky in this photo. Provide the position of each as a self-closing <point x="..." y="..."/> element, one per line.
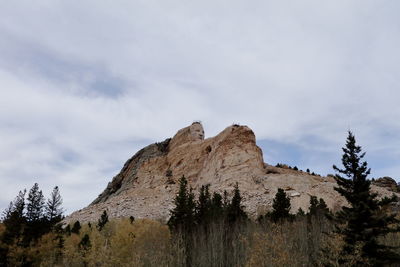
<point x="84" y="86"/>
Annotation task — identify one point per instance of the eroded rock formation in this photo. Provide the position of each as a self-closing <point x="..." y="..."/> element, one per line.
<point x="388" y="183"/>
<point x="148" y="182"/>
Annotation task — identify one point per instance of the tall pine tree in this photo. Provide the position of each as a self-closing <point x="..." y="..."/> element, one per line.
<point x="35" y="204"/>
<point x="317" y="207"/>
<point x="36" y="222"/>
<point x="280" y="206"/>
<point x="235" y="209"/>
<point x="217" y="207"/>
<point x="102" y="221"/>
<point x="203" y="207"/>
<point x="364" y="221"/>
<point x="183" y="215"/>
<point x="14" y="219"/>
<point x="53" y="207"/>
<point x="182" y="219"/>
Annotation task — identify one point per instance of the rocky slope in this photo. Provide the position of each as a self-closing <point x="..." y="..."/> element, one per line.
<point x="148" y="182"/>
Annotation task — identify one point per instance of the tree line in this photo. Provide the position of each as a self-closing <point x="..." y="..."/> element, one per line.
<point x="362" y="224"/>
<point x="212" y="229"/>
<point x="29" y="217"/>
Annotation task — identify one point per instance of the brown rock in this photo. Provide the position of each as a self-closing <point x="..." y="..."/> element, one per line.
<point x="148" y="182"/>
<point x="388" y="183"/>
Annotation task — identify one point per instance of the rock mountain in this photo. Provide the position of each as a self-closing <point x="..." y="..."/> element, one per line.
<point x="148" y="182"/>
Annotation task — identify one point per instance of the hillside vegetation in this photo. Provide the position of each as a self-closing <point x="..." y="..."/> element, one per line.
<point x="212" y="230"/>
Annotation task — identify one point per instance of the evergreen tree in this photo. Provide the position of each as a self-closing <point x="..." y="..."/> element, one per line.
<point x="364" y="221"/>
<point x="53" y="206"/>
<point x="235" y="210"/>
<point x="7" y="212"/>
<point x="35" y="204"/>
<point x="182" y="216"/>
<point x="217" y="208"/>
<point x="76" y="228"/>
<point x="19" y="204"/>
<point x="225" y="201"/>
<point x="300" y="212"/>
<point x="322" y="207"/>
<point x="280" y="206"/>
<point x="102" y="221"/>
<point x="59" y="248"/>
<point x="85" y="243"/>
<point x="191" y="208"/>
<point x="203" y="207"/>
<point x="14" y="219"/>
<point x="313" y="209"/>
<point x="36" y="222"/>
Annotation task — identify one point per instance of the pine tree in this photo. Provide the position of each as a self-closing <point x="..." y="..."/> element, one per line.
<point x="102" y="221"/>
<point x="225" y="201"/>
<point x="182" y="216"/>
<point x="85" y="243"/>
<point x="19" y="204"/>
<point x="235" y="210"/>
<point x="300" y="212"/>
<point x="203" y="207"/>
<point x="322" y="207"/>
<point x="36" y="224"/>
<point x="364" y="221"/>
<point x="217" y="208"/>
<point x="7" y="212"/>
<point x="59" y="248"/>
<point x="53" y="206"/>
<point x="313" y="209"/>
<point x="280" y="206"/>
<point x="191" y="207"/>
<point x="35" y="204"/>
<point x="14" y="219"/>
<point x="76" y="228"/>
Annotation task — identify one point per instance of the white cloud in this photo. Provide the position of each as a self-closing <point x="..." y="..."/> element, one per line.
<point x="84" y="86"/>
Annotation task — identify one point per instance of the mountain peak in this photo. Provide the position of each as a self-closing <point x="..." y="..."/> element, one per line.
<point x="148" y="182"/>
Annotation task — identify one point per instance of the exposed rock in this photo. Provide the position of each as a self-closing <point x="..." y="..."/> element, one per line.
<point x="295" y="194"/>
<point x="125" y="178"/>
<point x="388" y="183"/>
<point x="148" y="182"/>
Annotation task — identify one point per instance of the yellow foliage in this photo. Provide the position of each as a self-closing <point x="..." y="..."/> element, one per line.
<point x="141" y="243"/>
<point x="149" y="243"/>
<point x="72" y="255"/>
<point x="120" y="243"/>
<point x="269" y="249"/>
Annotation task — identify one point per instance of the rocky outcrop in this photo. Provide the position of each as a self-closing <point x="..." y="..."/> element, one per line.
<point x="128" y="174"/>
<point x="148" y="182"/>
<point x="388" y="183"/>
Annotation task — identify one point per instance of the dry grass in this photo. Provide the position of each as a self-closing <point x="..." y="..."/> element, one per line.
<point x="150" y="243"/>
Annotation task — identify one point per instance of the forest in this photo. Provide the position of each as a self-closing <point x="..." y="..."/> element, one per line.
<point x="212" y="230"/>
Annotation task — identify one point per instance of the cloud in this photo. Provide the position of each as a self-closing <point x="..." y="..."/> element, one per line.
<point x="83" y="87"/>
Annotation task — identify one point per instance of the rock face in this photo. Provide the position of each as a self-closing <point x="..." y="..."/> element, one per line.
<point x="148" y="182"/>
<point x="388" y="183"/>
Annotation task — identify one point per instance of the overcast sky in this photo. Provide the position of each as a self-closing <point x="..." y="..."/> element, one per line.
<point x="84" y="85"/>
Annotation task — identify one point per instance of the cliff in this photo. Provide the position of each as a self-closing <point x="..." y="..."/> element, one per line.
<point x="148" y="182"/>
